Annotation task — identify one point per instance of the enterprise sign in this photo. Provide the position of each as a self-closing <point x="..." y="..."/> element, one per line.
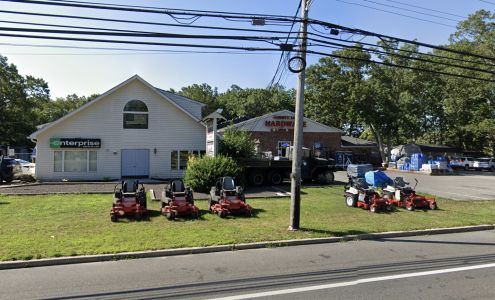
<point x="74" y="143"/>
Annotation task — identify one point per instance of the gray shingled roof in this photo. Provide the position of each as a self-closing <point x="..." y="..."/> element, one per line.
<point x="183" y="102"/>
<point x="350" y="141"/>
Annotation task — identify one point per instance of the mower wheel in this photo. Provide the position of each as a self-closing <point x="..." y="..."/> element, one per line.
<point x="211" y="202"/>
<point x="433" y="206"/>
<point x="222" y="214"/>
<point x="113" y="218"/>
<point x="350" y="201"/>
<point x="373" y="209"/>
<point x="410" y="207"/>
<point x="170" y="215"/>
<point x="138" y="216"/>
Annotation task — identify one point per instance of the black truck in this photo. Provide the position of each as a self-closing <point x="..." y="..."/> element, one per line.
<point x="273" y="171"/>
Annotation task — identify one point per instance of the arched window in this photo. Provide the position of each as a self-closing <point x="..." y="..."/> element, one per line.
<point x="135" y="115"/>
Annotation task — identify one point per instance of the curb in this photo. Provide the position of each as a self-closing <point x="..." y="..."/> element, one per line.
<point x="222" y="248"/>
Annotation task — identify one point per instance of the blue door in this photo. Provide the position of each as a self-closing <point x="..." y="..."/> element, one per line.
<point x="135" y="162"/>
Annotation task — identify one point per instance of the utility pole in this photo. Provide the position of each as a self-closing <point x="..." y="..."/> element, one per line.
<point x="295" y="187"/>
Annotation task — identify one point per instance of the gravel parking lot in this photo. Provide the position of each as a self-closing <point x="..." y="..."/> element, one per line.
<point x="462" y="186"/>
<point x="17" y="188"/>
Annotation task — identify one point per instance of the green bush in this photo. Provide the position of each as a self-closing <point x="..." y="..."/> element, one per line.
<point x="202" y="172"/>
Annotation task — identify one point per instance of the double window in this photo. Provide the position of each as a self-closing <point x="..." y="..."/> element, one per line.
<point x="74" y="161"/>
<point x="135" y="115"/>
<point x="178" y="158"/>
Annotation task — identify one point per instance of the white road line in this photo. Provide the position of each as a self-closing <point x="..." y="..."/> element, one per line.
<point x="354" y="282"/>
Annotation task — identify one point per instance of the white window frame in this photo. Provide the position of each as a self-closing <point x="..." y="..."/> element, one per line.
<point x="87" y="161"/>
<point x="190" y="152"/>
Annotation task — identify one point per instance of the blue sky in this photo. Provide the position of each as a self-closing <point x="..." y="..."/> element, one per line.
<point x="84" y="71"/>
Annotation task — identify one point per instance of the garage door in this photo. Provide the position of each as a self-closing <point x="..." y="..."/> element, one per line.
<point x="135" y="162"/>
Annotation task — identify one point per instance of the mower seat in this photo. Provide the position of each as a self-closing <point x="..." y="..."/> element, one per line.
<point x="228" y="183"/>
<point x="178" y="186"/>
<point x="129" y="186"/>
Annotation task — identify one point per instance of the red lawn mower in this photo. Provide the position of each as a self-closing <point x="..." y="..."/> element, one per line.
<point x="177" y="200"/>
<point x="359" y="194"/>
<point x="129" y="200"/>
<point x="228" y="199"/>
<point x="401" y="194"/>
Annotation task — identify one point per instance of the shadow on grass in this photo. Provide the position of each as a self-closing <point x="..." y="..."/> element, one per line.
<point x="4" y="203"/>
<point x="333" y="233"/>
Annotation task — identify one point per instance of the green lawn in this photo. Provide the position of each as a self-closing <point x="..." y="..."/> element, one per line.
<point x="64" y="225"/>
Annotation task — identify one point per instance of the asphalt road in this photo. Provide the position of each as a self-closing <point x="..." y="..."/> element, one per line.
<point x="454" y="266"/>
<point x="462" y="186"/>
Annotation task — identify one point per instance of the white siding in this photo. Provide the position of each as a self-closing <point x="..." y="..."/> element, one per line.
<point x="169" y="129"/>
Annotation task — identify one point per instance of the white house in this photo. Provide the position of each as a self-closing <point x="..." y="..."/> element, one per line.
<point x="133" y="130"/>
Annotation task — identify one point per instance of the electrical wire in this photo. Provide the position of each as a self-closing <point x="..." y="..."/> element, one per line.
<point x="280" y="61"/>
<point x="381" y="36"/>
<point x="412" y="10"/>
<point x="375" y="51"/>
<point x="139" y="22"/>
<point x="396" y="13"/>
<point x="425" y="8"/>
<point x="137" y="42"/>
<point x="388" y="47"/>
<point x="399" y="66"/>
<point x="147" y="35"/>
<point x="167" y="11"/>
<point x="151" y="51"/>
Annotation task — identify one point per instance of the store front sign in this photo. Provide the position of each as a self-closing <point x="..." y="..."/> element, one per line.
<point x="74" y="143"/>
<point x="282" y="121"/>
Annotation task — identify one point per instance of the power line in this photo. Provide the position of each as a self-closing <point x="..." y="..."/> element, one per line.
<point x="400" y="66"/>
<point x="139" y="22"/>
<point x="163" y="8"/>
<point x="383" y="36"/>
<point x="282" y="54"/>
<point x="150" y="51"/>
<point x="167" y="11"/>
<point x="138" y="42"/>
<point x="388" y="47"/>
<point x="322" y="23"/>
<point x="492" y="3"/>
<point x="147" y="35"/>
<point x="280" y="63"/>
<point x="425" y="8"/>
<point x="396" y="13"/>
<point x="412" y="10"/>
<point x="403" y="56"/>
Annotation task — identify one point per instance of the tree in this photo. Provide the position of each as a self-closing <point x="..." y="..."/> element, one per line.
<point x="250" y="102"/>
<point x="55" y="109"/>
<point x="21" y="98"/>
<point x="203" y="93"/>
<point x="236" y="144"/>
